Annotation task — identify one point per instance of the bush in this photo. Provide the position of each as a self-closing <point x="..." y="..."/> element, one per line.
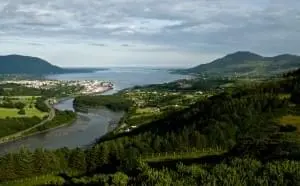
<point x="20" y="105"/>
<point x="22" y="112"/>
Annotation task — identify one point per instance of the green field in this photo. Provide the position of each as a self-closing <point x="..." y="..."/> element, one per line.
<point x="7" y="112"/>
<point x="290" y="120"/>
<point x="40" y="180"/>
<point x="30" y="110"/>
<point x="157" y="157"/>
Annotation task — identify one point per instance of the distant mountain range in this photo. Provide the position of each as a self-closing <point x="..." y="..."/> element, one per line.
<point x="17" y="64"/>
<point x="248" y="64"/>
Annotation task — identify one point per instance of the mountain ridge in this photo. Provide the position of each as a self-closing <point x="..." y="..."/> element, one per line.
<point x="247" y="63"/>
<point x="21" y="64"/>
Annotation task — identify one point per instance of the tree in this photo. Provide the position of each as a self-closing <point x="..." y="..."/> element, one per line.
<point x="8" y="163"/>
<point x="103" y="155"/>
<point x="22" y="112"/>
<point x="131" y="158"/>
<point x="120" y="179"/>
<point x="20" y="105"/>
<point x="24" y="163"/>
<point x="91" y="159"/>
<point x="45" y="161"/>
<point x="77" y="160"/>
<point x="295" y="97"/>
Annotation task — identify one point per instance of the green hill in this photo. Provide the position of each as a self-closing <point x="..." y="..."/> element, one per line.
<point x="247" y="136"/>
<point x="17" y="64"/>
<point x="246" y="63"/>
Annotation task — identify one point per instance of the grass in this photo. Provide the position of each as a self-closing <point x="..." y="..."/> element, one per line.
<point x="290" y="120"/>
<point x="30" y="112"/>
<point x="284" y="96"/>
<point x="146" y="110"/>
<point x="39" y="180"/>
<point x="158" y="157"/>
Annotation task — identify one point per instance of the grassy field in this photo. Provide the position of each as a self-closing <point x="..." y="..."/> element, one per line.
<point x="146" y="110"/>
<point x="40" y="180"/>
<point x="157" y="157"/>
<point x="29" y="110"/>
<point x="290" y="120"/>
<point x="284" y="96"/>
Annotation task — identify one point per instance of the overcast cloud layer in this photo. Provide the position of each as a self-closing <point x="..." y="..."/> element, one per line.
<point x="147" y="32"/>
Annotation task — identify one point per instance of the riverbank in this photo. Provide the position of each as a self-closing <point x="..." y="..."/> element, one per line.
<point x="50" y="129"/>
<point x="20" y="134"/>
<point x="34" y="129"/>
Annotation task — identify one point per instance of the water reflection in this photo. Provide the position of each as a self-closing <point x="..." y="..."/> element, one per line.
<point x="88" y="127"/>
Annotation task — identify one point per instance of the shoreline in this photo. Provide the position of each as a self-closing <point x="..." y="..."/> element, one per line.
<point x="18" y="135"/>
<point x="39" y="132"/>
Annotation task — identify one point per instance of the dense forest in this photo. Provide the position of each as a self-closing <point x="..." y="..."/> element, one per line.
<point x="232" y="138"/>
<point x="10" y="125"/>
<point x="61" y="118"/>
<point x="11" y="89"/>
<point x="113" y="102"/>
<point x="188" y="85"/>
<point x="244" y="63"/>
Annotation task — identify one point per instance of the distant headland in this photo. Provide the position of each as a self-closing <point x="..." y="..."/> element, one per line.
<point x="18" y="64"/>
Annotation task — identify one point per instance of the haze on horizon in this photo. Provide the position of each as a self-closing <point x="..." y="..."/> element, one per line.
<point x="146" y="32"/>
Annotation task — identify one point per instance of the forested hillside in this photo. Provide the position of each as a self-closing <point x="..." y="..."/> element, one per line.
<point x="244" y="63"/>
<point x="115" y="103"/>
<point x="239" y="137"/>
<point x="17" y="64"/>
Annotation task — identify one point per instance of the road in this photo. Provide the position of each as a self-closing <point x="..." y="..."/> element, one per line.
<point x="20" y="134"/>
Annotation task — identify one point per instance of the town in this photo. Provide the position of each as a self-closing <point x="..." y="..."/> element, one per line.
<point x="86" y="86"/>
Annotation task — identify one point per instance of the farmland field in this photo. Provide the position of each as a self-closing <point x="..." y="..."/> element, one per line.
<point x="29" y="108"/>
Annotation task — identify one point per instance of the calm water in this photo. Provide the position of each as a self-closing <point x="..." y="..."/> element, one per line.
<point x="125" y="77"/>
<point x="91" y="126"/>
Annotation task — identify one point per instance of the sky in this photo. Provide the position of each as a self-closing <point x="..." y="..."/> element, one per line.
<point x="183" y="33"/>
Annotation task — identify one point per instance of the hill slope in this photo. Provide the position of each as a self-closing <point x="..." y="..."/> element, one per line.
<point x="247" y="63"/>
<point x="17" y="64"/>
<point x="185" y="147"/>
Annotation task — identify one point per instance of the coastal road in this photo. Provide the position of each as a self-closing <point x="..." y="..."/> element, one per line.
<point x="20" y="134"/>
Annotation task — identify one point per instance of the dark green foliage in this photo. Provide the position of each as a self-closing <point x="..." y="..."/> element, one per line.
<point x="246" y="63"/>
<point x="7" y="103"/>
<point x="17" y="64"/>
<point x="188" y="85"/>
<point x="61" y="117"/>
<point x="295" y="97"/>
<point x="77" y="160"/>
<point x="41" y="105"/>
<point x="113" y="102"/>
<point x="12" y="125"/>
<point x="18" y="90"/>
<point x="22" y="112"/>
<point x="20" y="105"/>
<point x="260" y="152"/>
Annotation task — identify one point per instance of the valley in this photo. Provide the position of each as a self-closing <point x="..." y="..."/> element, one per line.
<point x="200" y="127"/>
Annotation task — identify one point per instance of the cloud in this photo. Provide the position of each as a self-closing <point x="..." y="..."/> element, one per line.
<point x="97" y="44"/>
<point x="36" y="44"/>
<point x="127" y="45"/>
<point x="195" y="29"/>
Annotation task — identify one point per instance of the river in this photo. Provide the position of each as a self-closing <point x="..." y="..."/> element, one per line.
<point x="90" y="126"/>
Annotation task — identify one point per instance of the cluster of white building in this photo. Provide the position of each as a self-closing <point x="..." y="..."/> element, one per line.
<point x="95" y="86"/>
<point x="42" y="84"/>
<point x="89" y="86"/>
